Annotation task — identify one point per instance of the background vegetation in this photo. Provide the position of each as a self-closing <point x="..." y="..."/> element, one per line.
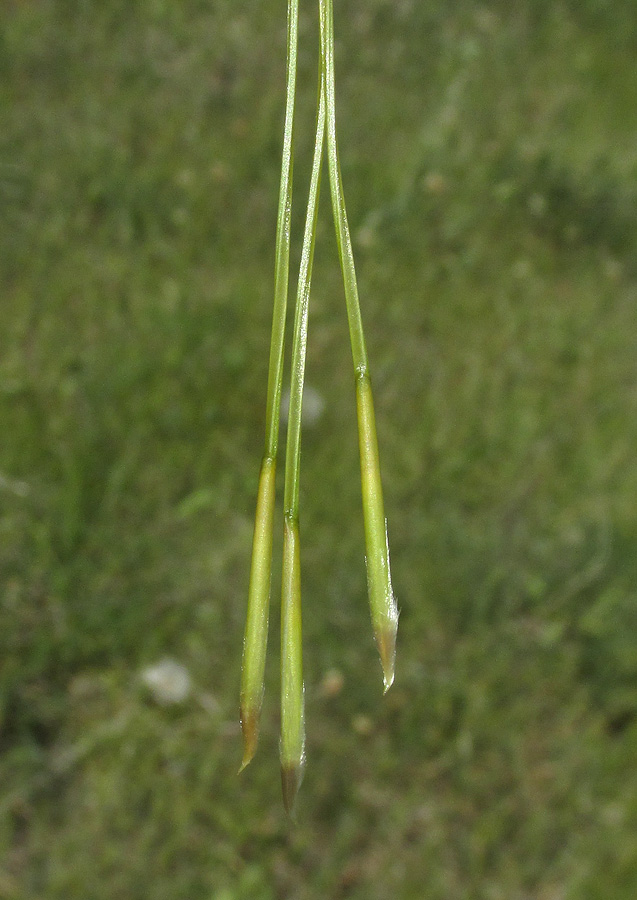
<point x="489" y="160"/>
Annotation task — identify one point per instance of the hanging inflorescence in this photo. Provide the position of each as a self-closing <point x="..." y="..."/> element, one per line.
<point x="384" y="612"/>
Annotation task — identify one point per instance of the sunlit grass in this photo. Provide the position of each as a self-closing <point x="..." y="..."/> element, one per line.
<point x="488" y="188"/>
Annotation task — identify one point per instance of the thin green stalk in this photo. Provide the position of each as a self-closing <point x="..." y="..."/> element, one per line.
<point x="256" y="630"/>
<point x="292" y="748"/>
<point x="383" y="607"/>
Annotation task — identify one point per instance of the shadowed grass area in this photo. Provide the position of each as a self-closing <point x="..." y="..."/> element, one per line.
<point x="488" y="157"/>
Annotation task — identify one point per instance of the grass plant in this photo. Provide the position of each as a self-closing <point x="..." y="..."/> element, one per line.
<point x="488" y="156"/>
<point x="382" y="602"/>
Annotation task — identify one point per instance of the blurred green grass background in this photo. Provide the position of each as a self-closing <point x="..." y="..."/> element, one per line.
<point x="489" y="155"/>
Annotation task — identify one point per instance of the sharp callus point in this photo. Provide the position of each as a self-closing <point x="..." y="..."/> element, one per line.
<point x="291" y="778"/>
<point x="250" y="730"/>
<point x="386" y="642"/>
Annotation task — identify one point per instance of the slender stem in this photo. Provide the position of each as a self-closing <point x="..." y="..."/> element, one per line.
<point x="299" y="346"/>
<point x="256" y="630"/>
<point x="282" y="252"/>
<point x="357" y="338"/>
<point x="292" y="749"/>
<point x="383" y="608"/>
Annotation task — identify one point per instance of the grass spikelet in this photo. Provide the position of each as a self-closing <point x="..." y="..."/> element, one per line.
<point x="383" y="608"/>
<point x="292" y="747"/>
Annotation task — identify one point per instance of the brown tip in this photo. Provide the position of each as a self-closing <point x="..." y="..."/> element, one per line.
<point x="291" y="778"/>
<point x="386" y="642"/>
<point x="250" y="729"/>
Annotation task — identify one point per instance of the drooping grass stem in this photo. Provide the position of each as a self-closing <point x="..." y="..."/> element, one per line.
<point x="343" y="240"/>
<point x="292" y="747"/>
<point x="382" y="603"/>
<point x="256" y="630"/>
<point x="299" y="341"/>
<point x="383" y="607"/>
<point x="282" y="249"/>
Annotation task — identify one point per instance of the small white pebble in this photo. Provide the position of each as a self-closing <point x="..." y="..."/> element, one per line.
<point x="362" y="725"/>
<point x="537" y="205"/>
<point x="332" y="683"/>
<point x="435" y="183"/>
<point x="313" y="406"/>
<point x="168" y="681"/>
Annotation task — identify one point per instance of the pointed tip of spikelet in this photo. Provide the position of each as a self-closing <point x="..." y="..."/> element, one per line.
<point x="291" y="778"/>
<point x="250" y="729"/>
<point x="386" y="642"/>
